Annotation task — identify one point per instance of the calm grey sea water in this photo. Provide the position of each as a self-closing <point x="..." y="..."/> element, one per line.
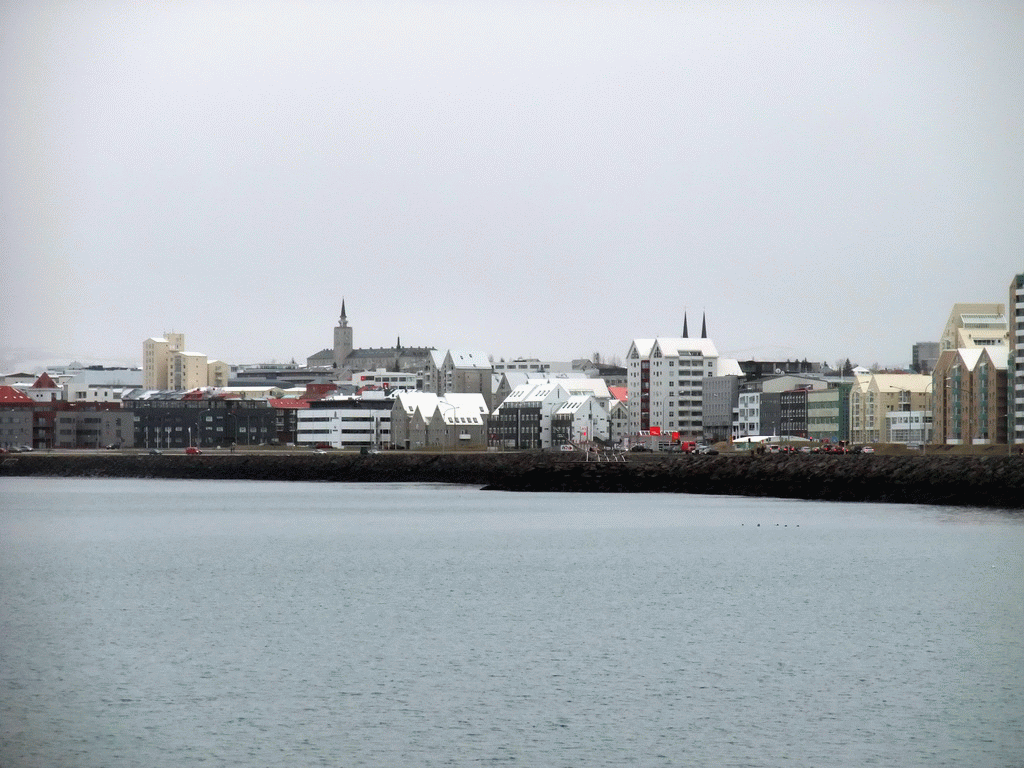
<point x="176" y="623"/>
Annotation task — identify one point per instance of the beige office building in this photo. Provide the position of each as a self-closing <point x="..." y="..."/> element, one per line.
<point x="166" y="365"/>
<point x="975" y="325"/>
<point x="874" y="395"/>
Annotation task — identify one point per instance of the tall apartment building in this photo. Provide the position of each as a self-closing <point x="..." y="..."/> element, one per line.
<point x="166" y="365"/>
<point x="970" y="402"/>
<point x="1015" y="361"/>
<point x="666" y="384"/>
<point x="156" y="359"/>
<point x="972" y="374"/>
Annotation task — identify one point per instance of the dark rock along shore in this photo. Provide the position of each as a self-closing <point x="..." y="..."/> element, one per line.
<point x="994" y="482"/>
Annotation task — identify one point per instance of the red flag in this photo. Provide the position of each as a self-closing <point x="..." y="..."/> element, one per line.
<point x="655" y="431"/>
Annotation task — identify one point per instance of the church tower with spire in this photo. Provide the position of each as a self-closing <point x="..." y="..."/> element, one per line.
<point x="342" y="339"/>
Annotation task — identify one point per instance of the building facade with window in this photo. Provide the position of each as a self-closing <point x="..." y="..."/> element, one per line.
<point x="166" y="365"/>
<point x="523" y="419"/>
<point x="426" y="421"/>
<point x="1015" y="362"/>
<point x="828" y="413"/>
<point x="174" y="419"/>
<point x="873" y="396"/>
<point x="666" y="384"/>
<point x="355" y="421"/>
<point x="580" y="419"/>
<point x="970" y="404"/>
<point x="975" y="325"/>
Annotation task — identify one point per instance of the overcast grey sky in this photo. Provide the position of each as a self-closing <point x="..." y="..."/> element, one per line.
<point x="548" y="179"/>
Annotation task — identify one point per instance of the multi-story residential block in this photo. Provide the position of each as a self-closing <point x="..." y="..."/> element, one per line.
<point x="873" y="396"/>
<point x="523" y="419"/>
<point x="16" y="414"/>
<point x="1015" y="362"/>
<point x="93" y="425"/>
<point x="970" y="403"/>
<point x="176" y="419"/>
<point x="52" y="422"/>
<point x="793" y="413"/>
<point x="666" y="384"/>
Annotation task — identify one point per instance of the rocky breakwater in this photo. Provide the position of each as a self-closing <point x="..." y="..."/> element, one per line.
<point x="996" y="482"/>
<point x="396" y="467"/>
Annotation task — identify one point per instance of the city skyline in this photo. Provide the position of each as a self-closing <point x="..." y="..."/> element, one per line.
<point x="547" y="180"/>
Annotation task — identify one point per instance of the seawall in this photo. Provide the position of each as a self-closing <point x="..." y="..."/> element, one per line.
<point x="994" y="482"/>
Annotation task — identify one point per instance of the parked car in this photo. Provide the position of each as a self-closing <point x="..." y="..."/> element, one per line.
<point x="192" y="451"/>
<point x="867" y="449"/>
<point x="155" y="452"/>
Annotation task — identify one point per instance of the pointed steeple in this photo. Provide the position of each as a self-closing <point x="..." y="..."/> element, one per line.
<point x="704" y="326"/>
<point x="343" y="320"/>
<point x="686" y="332"/>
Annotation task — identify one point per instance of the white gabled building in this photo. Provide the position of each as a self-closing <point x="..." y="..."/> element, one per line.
<point x="666" y="384"/>
<point x="580" y="419"/>
<point x="455" y="421"/>
<point x="461" y="372"/>
<point x="582" y="386"/>
<point x="523" y="420"/>
<point x="618" y="422"/>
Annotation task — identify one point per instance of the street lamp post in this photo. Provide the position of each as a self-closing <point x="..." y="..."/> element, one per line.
<point x="441" y="404"/>
<point x="199" y="427"/>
